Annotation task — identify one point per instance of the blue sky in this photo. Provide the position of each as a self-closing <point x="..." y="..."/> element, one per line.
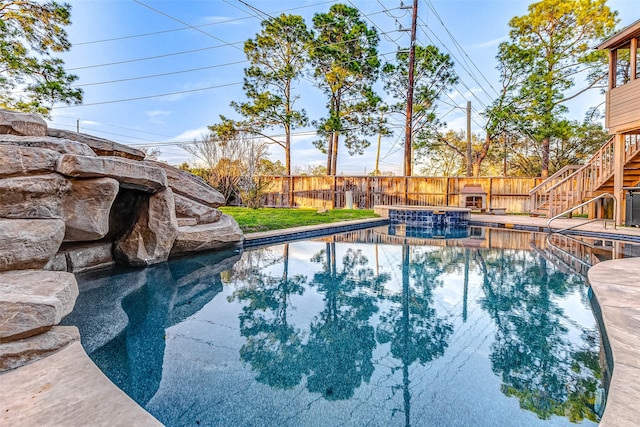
<point x="157" y="73"/>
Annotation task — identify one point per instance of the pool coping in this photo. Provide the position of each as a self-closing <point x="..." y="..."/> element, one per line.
<point x="304" y="232"/>
<point x="67" y="388"/>
<point x="616" y="289"/>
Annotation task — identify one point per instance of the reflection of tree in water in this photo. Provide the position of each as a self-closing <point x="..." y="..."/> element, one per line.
<point x="411" y="324"/>
<point x="341" y="340"/>
<point x="532" y="351"/>
<point x="273" y="347"/>
<point x="337" y="356"/>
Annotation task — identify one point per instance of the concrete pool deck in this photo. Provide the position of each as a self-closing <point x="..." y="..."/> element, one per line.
<point x="67" y="389"/>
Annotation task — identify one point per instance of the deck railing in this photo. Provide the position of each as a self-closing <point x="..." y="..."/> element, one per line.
<point x="575" y="183"/>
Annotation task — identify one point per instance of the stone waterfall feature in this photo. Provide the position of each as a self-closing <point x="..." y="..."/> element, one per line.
<point x="71" y="202"/>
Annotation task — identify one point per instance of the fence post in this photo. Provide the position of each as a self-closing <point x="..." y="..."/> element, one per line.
<point x="333" y="193"/>
<point x="368" y="204"/>
<point x="406" y="190"/>
<point x="446" y="191"/>
<point x="290" y="198"/>
<point x="489" y="192"/>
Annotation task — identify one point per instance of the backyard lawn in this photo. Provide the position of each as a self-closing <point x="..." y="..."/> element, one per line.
<point x="266" y="219"/>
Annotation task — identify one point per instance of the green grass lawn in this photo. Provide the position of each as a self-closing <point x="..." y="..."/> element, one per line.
<point x="266" y="219"/>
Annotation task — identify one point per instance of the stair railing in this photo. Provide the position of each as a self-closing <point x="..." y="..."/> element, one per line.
<point x="571" y="184"/>
<point x="539" y="194"/>
<point x="601" y="196"/>
<point x="601" y="165"/>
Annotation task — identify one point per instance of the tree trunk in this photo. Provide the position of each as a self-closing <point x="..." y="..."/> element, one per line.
<point x="287" y="160"/>
<point x="330" y="154"/>
<point x="544" y="173"/>
<point x="480" y="156"/>
<point x="287" y="130"/>
<point x="334" y="165"/>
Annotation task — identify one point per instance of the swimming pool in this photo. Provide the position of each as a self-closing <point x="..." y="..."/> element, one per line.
<point x="373" y="327"/>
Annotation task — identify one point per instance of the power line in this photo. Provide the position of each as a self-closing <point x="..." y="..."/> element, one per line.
<point x="114" y="126"/>
<point x="185" y="24"/>
<point x="368" y="16"/>
<point x="252" y="8"/>
<point x="151" y="57"/>
<point x="226" y="21"/>
<point x="150" y="96"/>
<point x="161" y="74"/>
<point x="154" y="33"/>
<point x="457" y="44"/>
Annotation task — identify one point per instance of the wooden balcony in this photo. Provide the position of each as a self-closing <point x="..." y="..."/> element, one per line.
<point x="623" y="107"/>
<point x="623" y="98"/>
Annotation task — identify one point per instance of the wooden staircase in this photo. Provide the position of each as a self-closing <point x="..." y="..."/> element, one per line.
<point x="573" y="185"/>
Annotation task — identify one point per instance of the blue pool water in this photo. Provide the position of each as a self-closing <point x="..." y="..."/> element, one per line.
<point x="378" y="327"/>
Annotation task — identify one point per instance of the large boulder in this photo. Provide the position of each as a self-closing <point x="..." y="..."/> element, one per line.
<point x="187" y="208"/>
<point x="186" y="222"/>
<point x="32" y="301"/>
<point x="29" y="243"/>
<point x="81" y="257"/>
<point x="28" y="124"/>
<point x="86" y="208"/>
<point x="220" y="234"/>
<point x="16" y="160"/>
<point x="129" y="173"/>
<point x="62" y="146"/>
<point x="57" y="263"/>
<point x="100" y="146"/>
<point x="190" y="186"/>
<point x="27" y="350"/>
<point x="152" y="236"/>
<point x="33" y="197"/>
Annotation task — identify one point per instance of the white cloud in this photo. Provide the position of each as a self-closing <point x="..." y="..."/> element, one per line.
<point x="220" y="20"/>
<point x="157" y="113"/>
<point x="175" y="158"/>
<point x="490" y="43"/>
<point x="191" y="134"/>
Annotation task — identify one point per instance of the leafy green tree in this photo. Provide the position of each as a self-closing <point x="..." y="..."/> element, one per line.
<point x="31" y="79"/>
<point x="550" y="48"/>
<point x="344" y="54"/>
<point x="433" y="75"/>
<point x="267" y="167"/>
<point x="574" y="145"/>
<point x="311" y="170"/>
<point x="438" y="151"/>
<point x="278" y="55"/>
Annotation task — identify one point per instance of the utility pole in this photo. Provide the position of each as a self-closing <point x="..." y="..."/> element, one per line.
<point x="409" y="121"/>
<point x="469" y="163"/>
<point x="376" y="171"/>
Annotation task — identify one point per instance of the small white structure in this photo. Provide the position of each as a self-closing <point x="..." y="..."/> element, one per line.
<point x="473" y="197"/>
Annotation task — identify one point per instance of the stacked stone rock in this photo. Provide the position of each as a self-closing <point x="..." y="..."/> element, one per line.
<point x="70" y="202"/>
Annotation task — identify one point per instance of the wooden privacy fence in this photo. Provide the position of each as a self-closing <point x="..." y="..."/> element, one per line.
<point x="511" y="194"/>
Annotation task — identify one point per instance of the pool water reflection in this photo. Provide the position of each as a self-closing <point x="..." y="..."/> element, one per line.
<point x="361" y="328"/>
